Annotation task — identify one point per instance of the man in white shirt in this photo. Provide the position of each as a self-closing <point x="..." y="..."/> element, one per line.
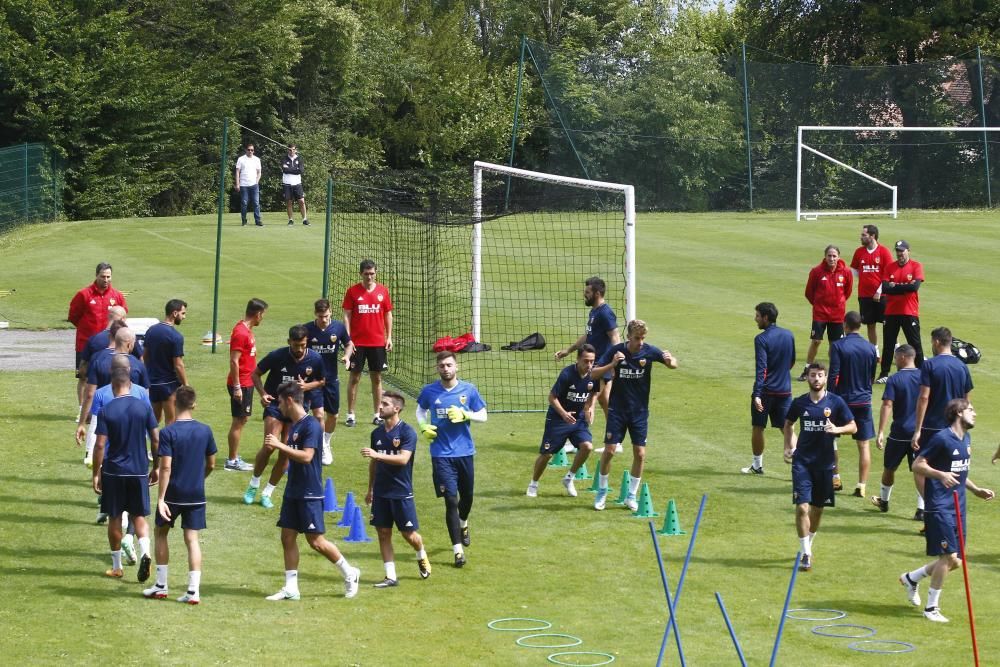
<point x="291" y="182"/>
<point x="248" y="184"/>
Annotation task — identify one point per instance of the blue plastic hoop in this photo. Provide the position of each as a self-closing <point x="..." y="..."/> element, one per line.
<point x="576" y="641"/>
<point x="553" y="660"/>
<point x="818" y="630"/>
<point x="545" y="625"/>
<point x="837" y="615"/>
<point x="908" y="647"/>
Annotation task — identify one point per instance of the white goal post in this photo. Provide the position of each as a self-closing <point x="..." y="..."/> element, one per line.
<point x="801" y="145"/>
<point x="477" y="214"/>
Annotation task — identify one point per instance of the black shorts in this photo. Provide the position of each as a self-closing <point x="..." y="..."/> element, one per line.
<point x="293" y="192"/>
<point x="192" y="516"/>
<point x="375" y="356"/>
<point x="76" y="369"/>
<point x="872" y="311"/>
<point x="242" y="408"/>
<point x="896" y="451"/>
<point x="775" y="409"/>
<point x="124" y="494"/>
<point x="834" y="330"/>
<point x="812" y="485"/>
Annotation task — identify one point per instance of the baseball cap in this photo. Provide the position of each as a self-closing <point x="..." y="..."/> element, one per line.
<point x="902" y="245"/>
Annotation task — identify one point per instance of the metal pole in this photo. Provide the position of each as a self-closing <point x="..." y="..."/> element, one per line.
<point x="798" y="176"/>
<point x="477" y="251"/>
<point x="630" y="271"/>
<point x="26" y="209"/>
<point x="746" y="121"/>
<point x="218" y="231"/>
<point x="327" y="237"/>
<point x="517" y="113"/>
<point x="982" y="112"/>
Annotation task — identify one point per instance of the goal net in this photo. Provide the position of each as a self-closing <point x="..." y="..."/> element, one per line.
<point x="502" y="262"/>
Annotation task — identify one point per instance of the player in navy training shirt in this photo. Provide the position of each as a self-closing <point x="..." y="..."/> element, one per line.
<point x="329" y="339"/>
<point x="120" y="471"/>
<point x="899" y="402"/>
<point x="295" y="363"/>
<point x="302" y="507"/>
<point x="445" y="409"/>
<point x="164" y="359"/>
<point x="390" y="486"/>
<point x="822" y="416"/>
<point x="187" y="457"/>
<point x="99" y="368"/>
<point x="601" y="332"/>
<point x="570" y="414"/>
<point x="628" y="406"/>
<point x="853" y="364"/>
<point x="774" y="358"/>
<point x="944" y="463"/>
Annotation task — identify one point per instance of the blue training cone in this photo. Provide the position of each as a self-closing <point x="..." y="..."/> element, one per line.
<point x="330" y="497"/>
<point x="349" y="507"/>
<point x="357" y="533"/>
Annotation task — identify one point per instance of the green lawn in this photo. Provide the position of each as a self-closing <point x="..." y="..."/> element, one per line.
<point x="593" y="575"/>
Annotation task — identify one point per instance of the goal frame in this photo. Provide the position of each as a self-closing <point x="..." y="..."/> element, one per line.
<point x="893" y="211"/>
<point x="600" y="186"/>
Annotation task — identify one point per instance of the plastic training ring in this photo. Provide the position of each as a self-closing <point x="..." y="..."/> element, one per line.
<point x="818" y="630"/>
<point x="837" y="614"/>
<point x="576" y="641"/>
<point x="545" y="625"/>
<point x="907" y="646"/>
<point x="553" y="659"/>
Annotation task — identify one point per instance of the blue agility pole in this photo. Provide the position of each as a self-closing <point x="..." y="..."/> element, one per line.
<point x="732" y="632"/>
<point x="784" y="610"/>
<point x="680" y="582"/>
<point x="670" y="604"/>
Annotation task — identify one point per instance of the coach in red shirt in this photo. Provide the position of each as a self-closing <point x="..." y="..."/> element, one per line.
<point x="900" y="284"/>
<point x="829" y="285"/>
<point x="368" y="319"/>
<point x="88" y="311"/>
<point x="870" y="261"/>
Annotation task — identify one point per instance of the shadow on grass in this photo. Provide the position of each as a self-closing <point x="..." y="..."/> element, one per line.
<point x="36" y="519"/>
<point x="861" y="606"/>
<point x="60" y="502"/>
<point x="36" y="552"/>
<point x="40" y="417"/>
<point x="81" y="482"/>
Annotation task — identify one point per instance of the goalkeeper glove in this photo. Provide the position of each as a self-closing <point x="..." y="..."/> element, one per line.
<point x="428" y="430"/>
<point x="457" y="415"/>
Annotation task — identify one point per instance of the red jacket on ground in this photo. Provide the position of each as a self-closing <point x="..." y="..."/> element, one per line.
<point x="828" y="291"/>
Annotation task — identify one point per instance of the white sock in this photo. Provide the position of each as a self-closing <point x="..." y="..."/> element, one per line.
<point x="933" y="595"/>
<point x="343" y="565"/>
<point x="116" y="560"/>
<point x="390" y="570"/>
<point x="144" y="546"/>
<point x="326" y="439"/>
<point x="125" y="524"/>
<point x="194" y="581"/>
<point x="917" y="574"/>
<point x="268" y="490"/>
<point x="292" y="581"/>
<point x="812" y="538"/>
<point x="533" y="484"/>
<point x="569" y="475"/>
<point x="161" y="576"/>
<point x="920" y="502"/>
<point x="254" y="481"/>
<point x="603" y="482"/>
<point x="886" y="492"/>
<point x="421" y="553"/>
<point x="464" y="523"/>
<point x="457" y="548"/>
<point x="91" y="436"/>
<point x="805" y="546"/>
<point x="633" y="485"/>
<point x="758" y="461"/>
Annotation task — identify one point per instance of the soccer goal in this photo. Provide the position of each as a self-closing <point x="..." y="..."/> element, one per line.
<point x="502" y="258"/>
<point x="873" y="158"/>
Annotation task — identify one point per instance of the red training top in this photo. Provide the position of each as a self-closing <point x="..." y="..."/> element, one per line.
<point x="828" y="290"/>
<point x="870" y="265"/>
<point x="908" y="303"/>
<point x="88" y="311"/>
<point x="368" y="310"/>
<point x="242" y="340"/>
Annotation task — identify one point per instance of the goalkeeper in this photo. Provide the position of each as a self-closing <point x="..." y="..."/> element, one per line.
<point x="444" y="410"/>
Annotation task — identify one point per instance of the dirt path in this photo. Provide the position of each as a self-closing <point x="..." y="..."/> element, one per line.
<point x="36" y="350"/>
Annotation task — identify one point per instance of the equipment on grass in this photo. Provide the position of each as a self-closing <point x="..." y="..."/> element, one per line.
<point x="582" y="473"/>
<point x="623" y="494"/>
<point x="492" y="625"/>
<point x="349" y="506"/>
<point x="558" y="460"/>
<point x="784" y="610"/>
<point x="645" y="505"/>
<point x="965" y="351"/>
<point x="965" y="576"/>
<point x="732" y="631"/>
<point x="574" y="641"/>
<point x="671" y="522"/>
<point x="671" y="607"/>
<point x="330" y="497"/>
<point x="358" y="533"/>
<point x="494" y="265"/>
<point x="824" y="631"/>
<point x="865" y="646"/>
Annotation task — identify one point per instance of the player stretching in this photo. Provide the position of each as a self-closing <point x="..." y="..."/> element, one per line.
<point x="390" y="486"/>
<point x="628" y="405"/>
<point x="329" y="340"/>
<point x="900" y="401"/>
<point x="822" y="416"/>
<point x="187" y="457"/>
<point x="944" y="463"/>
<point x="302" y="507"/>
<point x="444" y="410"/>
<point x="571" y="411"/>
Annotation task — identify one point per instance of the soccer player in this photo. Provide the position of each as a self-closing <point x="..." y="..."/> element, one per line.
<point x="944" y="464"/>
<point x="239" y="383"/>
<point x="295" y="363"/>
<point x="329" y="339"/>
<point x="164" y="359"/>
<point x="120" y="478"/>
<point x="900" y="401"/>
<point x="822" y="416"/>
<point x="302" y="508"/>
<point x="870" y="260"/>
<point x="291" y="183"/>
<point x="571" y="411"/>
<point x="628" y="405"/>
<point x="900" y="284"/>
<point x="444" y="410"/>
<point x="88" y="312"/>
<point x="390" y="486"/>
<point x="99" y="369"/>
<point x="187" y="457"/>
<point x="774" y="355"/>
<point x="368" y="319"/>
<point x="601" y="332"/>
<point x="103" y="339"/>
<point x="853" y="364"/>
<point x="829" y="286"/>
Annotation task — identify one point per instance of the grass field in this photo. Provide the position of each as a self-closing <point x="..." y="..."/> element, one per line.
<point x="593" y="575"/>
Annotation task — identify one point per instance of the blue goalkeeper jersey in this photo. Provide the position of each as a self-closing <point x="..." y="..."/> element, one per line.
<point x="452" y="439"/>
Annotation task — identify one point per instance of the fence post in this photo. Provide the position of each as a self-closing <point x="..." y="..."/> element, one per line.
<point x="982" y="113"/>
<point x="746" y="116"/>
<point x="218" y="230"/>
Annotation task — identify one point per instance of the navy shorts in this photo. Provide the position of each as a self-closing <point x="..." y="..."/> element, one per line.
<point x="620" y="421"/>
<point x="863" y="420"/>
<point x="162" y="392"/>
<point x="302" y="515"/>
<point x="124" y="494"/>
<point x="775" y="411"/>
<point x="293" y="192"/>
<point x="872" y="311"/>
<point x="557" y="432"/>
<point x="834" y="330"/>
<point x="241" y="408"/>
<point x="454" y="476"/>
<point x="272" y="411"/>
<point x="941" y="533"/>
<point x="926" y="434"/>
<point x="374" y="356"/>
<point x="192" y="516"/>
<point x="812" y="485"/>
<point x="331" y="397"/>
<point x="896" y="451"/>
<point x="401" y="511"/>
